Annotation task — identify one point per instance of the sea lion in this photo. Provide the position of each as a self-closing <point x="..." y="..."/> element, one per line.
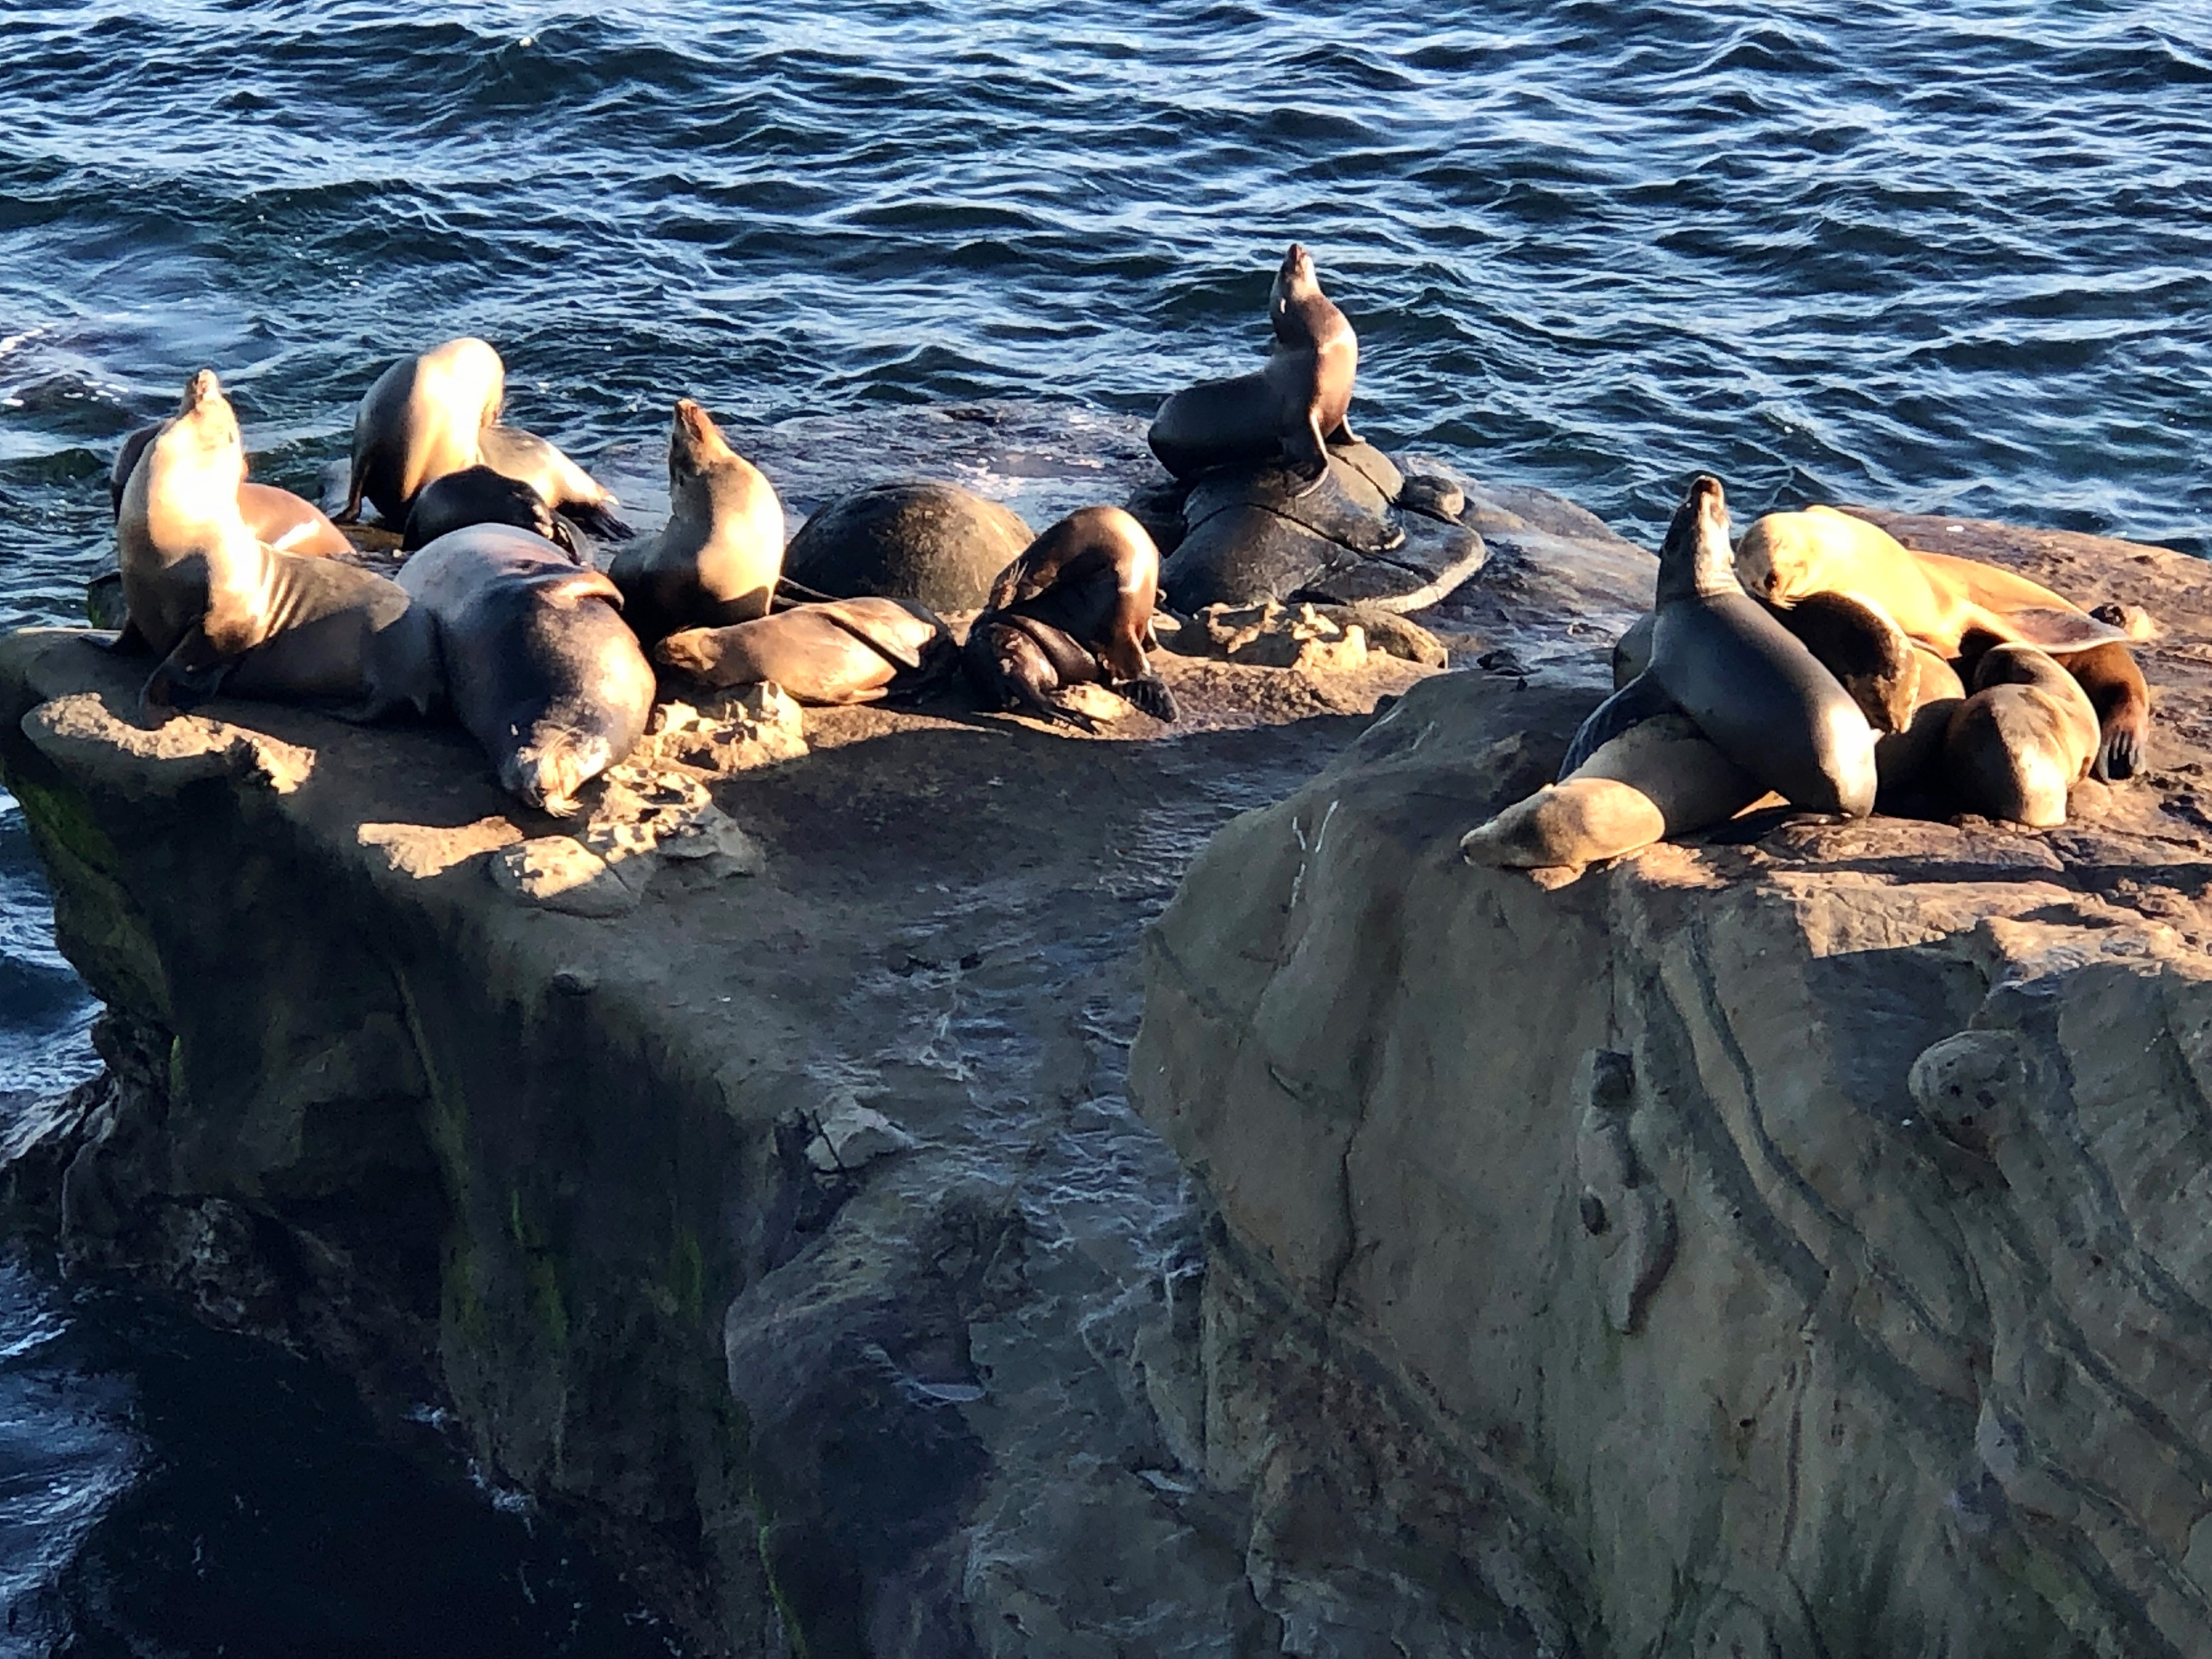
<point x="287" y="522"/>
<point x="1661" y="777"/>
<point x="421" y="419"/>
<point x="1074" y="608"/>
<point x="224" y="611"/>
<point x="539" y="665"/>
<point x="1857" y="642"/>
<point x="1751" y="686"/>
<point x="718" y="560"/>
<point x="476" y="495"/>
<point x="437" y="413"/>
<point x="1294" y="408"/>
<point x="843" y="651"/>
<point x="1948" y="603"/>
<point x="2024" y="737"/>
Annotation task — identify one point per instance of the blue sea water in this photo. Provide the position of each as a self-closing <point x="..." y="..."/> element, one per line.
<point x="1951" y="258"/>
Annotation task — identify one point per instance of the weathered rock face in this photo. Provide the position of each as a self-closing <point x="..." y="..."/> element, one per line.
<point x="935" y="542"/>
<point x="1788" y="1244"/>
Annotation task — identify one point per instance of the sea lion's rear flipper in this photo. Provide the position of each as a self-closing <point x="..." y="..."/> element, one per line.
<point x="1641" y="699"/>
<point x="1148" y="695"/>
<point x="595" y="520"/>
<point x="2054" y="628"/>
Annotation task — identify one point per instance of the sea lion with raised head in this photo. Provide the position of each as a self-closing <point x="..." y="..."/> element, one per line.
<point x="2024" y="736"/>
<point x="539" y="665"/>
<point x="1292" y="409"/>
<point x="226" y="612"/>
<point x="1752" y="686"/>
<point x="476" y="495"/>
<point x="285" y="522"/>
<point x="1074" y="608"/>
<point x="1951" y="603"/>
<point x="717" y="560"/>
<point x="840" y="651"/>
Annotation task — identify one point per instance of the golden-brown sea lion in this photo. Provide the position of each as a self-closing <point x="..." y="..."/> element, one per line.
<point x="1949" y="603"/>
<point x="2024" y="737"/>
<point x="718" y="560"/>
<point x="1752" y="687"/>
<point x="1075" y="608"/>
<point x="1661" y="777"/>
<point x="437" y="413"/>
<point x="224" y="611"/>
<point x="287" y="522"/>
<point x="540" y="666"/>
<point x="841" y="651"/>
<point x="1294" y="408"/>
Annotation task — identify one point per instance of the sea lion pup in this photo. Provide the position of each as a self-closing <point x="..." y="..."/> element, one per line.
<point x="476" y="495"/>
<point x="2025" y="737"/>
<point x="224" y="611"/>
<point x="1661" y="777"/>
<point x="289" y="523"/>
<point x="539" y="665"/>
<point x="1295" y="407"/>
<point x="1751" y="686"/>
<point x="437" y="413"/>
<point x="1944" y="601"/>
<point x="1075" y="608"/>
<point x="843" y="651"/>
<point x="718" y="560"/>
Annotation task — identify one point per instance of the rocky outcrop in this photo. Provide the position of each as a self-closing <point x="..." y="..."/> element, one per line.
<point x="914" y="539"/>
<point x="1790" y="1244"/>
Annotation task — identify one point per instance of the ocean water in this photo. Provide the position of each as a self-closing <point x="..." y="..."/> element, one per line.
<point x="1950" y="258"/>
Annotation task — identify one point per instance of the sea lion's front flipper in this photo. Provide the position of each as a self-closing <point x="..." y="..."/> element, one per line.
<point x="1641" y="699"/>
<point x="128" y="641"/>
<point x="1308" y="456"/>
<point x="1344" y="433"/>
<point x="881" y="640"/>
<point x="595" y="520"/>
<point x="2052" y="628"/>
<point x="1147" y="695"/>
<point x="189" y="676"/>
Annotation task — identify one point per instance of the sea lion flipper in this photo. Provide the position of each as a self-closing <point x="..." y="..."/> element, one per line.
<point x="1641" y="699"/>
<point x="881" y="640"/>
<point x="2054" y="628"/>
<point x="189" y="676"/>
<point x="1147" y="695"/>
<point x="128" y="641"/>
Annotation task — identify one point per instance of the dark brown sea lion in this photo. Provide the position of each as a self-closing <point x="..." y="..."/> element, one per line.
<point x="476" y="495"/>
<point x="717" y="560"/>
<point x="1293" y="408"/>
<point x="225" y="613"/>
<point x="539" y="665"/>
<point x="841" y="651"/>
<point x="1075" y="608"/>
<point x="287" y="522"/>
<point x="1752" y="687"/>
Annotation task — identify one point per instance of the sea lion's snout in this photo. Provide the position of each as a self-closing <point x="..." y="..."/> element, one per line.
<point x="202" y="386"/>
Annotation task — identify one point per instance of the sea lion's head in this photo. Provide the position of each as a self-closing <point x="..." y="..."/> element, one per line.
<point x="696" y="446"/>
<point x="1778" y="557"/>
<point x="1294" y="279"/>
<point x="1697" y="544"/>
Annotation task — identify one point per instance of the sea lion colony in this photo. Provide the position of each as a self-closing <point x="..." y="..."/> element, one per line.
<point x="1820" y="661"/>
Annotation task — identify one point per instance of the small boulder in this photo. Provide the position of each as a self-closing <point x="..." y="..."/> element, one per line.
<point x="558" y="872"/>
<point x="917" y="540"/>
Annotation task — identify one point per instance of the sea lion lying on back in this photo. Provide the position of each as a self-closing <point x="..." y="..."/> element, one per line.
<point x="285" y="522"/>
<point x="1753" y="688"/>
<point x="540" y="666"/>
<point x="1075" y="608"/>
<point x="1950" y="603"/>
<point x="840" y="651"/>
<point x="717" y="560"/>
<point x="437" y="413"/>
<point x="225" y="613"/>
<point x="1294" y="408"/>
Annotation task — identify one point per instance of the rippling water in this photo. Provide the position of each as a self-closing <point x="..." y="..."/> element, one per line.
<point x="1956" y="261"/>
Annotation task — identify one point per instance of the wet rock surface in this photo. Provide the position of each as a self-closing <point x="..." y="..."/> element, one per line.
<point x="1248" y="535"/>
